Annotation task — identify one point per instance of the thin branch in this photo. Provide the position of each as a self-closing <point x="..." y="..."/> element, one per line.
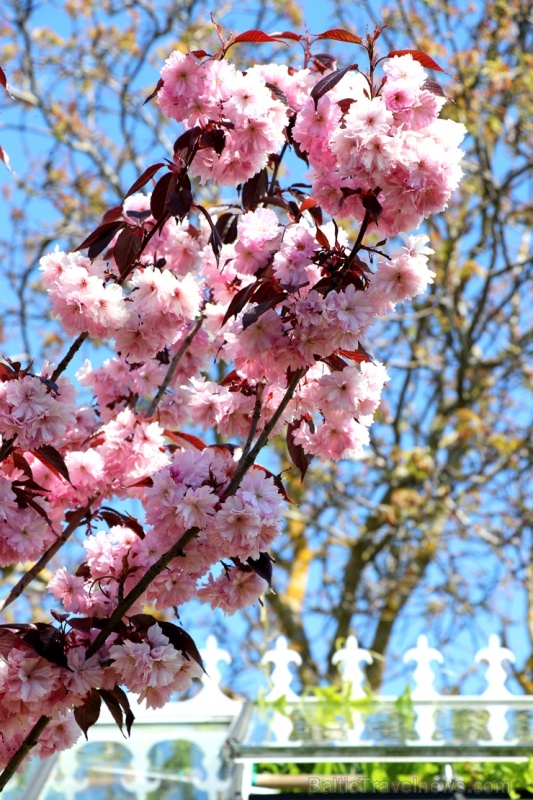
<point x="65" y="361"/>
<point x="174" y="365"/>
<point x="18" y="757"/>
<point x="248" y="459"/>
<point x="39" y="565"/>
<point x="255" y="419"/>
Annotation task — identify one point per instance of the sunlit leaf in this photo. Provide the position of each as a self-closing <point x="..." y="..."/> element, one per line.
<point x="340" y="35"/>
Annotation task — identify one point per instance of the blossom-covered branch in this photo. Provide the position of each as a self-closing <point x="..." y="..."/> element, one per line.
<point x="269" y="287"/>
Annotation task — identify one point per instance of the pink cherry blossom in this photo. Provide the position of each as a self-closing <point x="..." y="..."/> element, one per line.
<point x="238" y="322"/>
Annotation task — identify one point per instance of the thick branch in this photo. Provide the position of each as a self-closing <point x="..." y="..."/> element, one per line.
<point x="27" y="745"/>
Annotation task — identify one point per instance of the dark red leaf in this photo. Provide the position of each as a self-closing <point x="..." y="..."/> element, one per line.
<point x="298" y="456"/>
<point x="296" y="37"/>
<point x="121" y="698"/>
<point x="346" y="191"/>
<point x="20" y="463"/>
<point x="179" y="438"/>
<point x="185" y="185"/>
<point x="262" y="566"/>
<point x="238" y="301"/>
<point x="199" y="53"/>
<point x="255" y="36"/>
<point x="214" y="240"/>
<point x="327" y="83"/>
<point x="87" y="714"/>
<point x="20" y="627"/>
<point x="188" y="139"/>
<point x="139" y="215"/>
<point x="344" y="105"/>
<point x="291" y="288"/>
<point x="7" y="373"/>
<point x="334" y="362"/>
<point x="419" y="56"/>
<point x="340" y="35"/>
<point x="177" y="637"/>
<point x="163" y="189"/>
<point x="100" y="237"/>
<point x="226" y="226"/>
<point x="114" y="517"/>
<point x="58" y="616"/>
<point x="47" y="641"/>
<point x="8" y="641"/>
<point x="179" y="203"/>
<point x="433" y="87"/>
<point x="279" y="202"/>
<point x="323" y="62"/>
<point x="144" y="482"/>
<point x="52" y="386"/>
<point x="82" y="624"/>
<point x="114" y="707"/>
<point x="86" y="624"/>
<point x="278" y="93"/>
<point x="232" y="380"/>
<point x="143" y="179"/>
<point x="265" y="289"/>
<point x="322" y="239"/>
<point x="316" y="213"/>
<point x="181" y="640"/>
<point x="3" y="79"/>
<point x="258" y="310"/>
<point x="143" y="621"/>
<point x="113" y="214"/>
<point x="52" y="459"/>
<point x="372" y="205"/>
<point x="309" y="203"/>
<point x="254" y="189"/>
<point x="83" y="571"/>
<point x="159" y="85"/>
<point x="25" y="499"/>
<point x="358" y="355"/>
<point x="213" y="139"/>
<point x="30" y="486"/>
<point x="127" y="248"/>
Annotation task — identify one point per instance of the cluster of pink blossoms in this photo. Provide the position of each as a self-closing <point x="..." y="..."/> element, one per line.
<point x="393" y="141"/>
<point x="245" y="321"/>
<point x="217" y="96"/>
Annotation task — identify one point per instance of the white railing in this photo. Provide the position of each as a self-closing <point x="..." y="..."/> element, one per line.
<point x="182" y="741"/>
<point x="500" y="712"/>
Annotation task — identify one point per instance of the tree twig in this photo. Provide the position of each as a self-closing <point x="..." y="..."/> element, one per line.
<point x="247" y="459"/>
<point x="67" y="358"/>
<point x="174" y="365"/>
